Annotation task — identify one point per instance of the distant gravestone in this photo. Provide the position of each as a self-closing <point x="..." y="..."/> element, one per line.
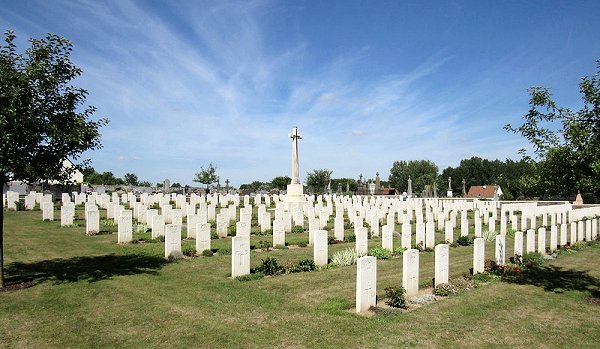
<point x="240" y="256"/>
<point x="406" y="235"/>
<point x="366" y="283"/>
<point x="387" y="237"/>
<point x="202" y="237"/>
<point x="67" y="212"/>
<point x="173" y="241"/>
<point x="478" y="255"/>
<point x="448" y="232"/>
<point x="410" y="272"/>
<point x="518" y="247"/>
<point x="242" y="229"/>
<point x="192" y="221"/>
<point x="158" y="226"/>
<point x="573" y="233"/>
<point x="124" y="227"/>
<point x="47" y="211"/>
<point x="362" y="242"/>
<point x="92" y="221"/>
<point x="429" y="235"/>
<point x="442" y="260"/>
<point x="278" y="233"/>
<point x="530" y="245"/>
<point x="320" y="252"/>
<point x="541" y="243"/>
<point x="464" y="227"/>
<point x="339" y="228"/>
<point x="500" y="251"/>
<point x="420" y="233"/>
<point x="553" y="237"/>
<point x="563" y="234"/>
<point x="222" y="225"/>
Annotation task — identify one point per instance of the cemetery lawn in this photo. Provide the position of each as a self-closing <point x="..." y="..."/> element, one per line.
<point x="89" y="292"/>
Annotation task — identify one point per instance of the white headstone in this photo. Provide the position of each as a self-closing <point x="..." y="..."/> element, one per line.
<point x="563" y="234"/>
<point x="320" y="251"/>
<point x="406" y="235"/>
<point x="366" y="283"/>
<point x="442" y="260"/>
<point x="67" y="212"/>
<point x="387" y="237"/>
<point x="222" y="225"/>
<point x="202" y="237"/>
<point x="500" y="252"/>
<point x="47" y="211"/>
<point x="92" y="221"/>
<point x="478" y="255"/>
<point x="278" y="233"/>
<point x="518" y="248"/>
<point x="240" y="256"/>
<point x="124" y="229"/>
<point x="410" y="272"/>
<point x="339" y="228"/>
<point x="448" y="232"/>
<point x="541" y="246"/>
<point x="172" y="240"/>
<point x="158" y="226"/>
<point x="362" y="240"/>
<point x="429" y="235"/>
<point x="553" y="237"/>
<point x="530" y="246"/>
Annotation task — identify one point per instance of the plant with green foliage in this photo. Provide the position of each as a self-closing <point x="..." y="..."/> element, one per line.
<point x="206" y="253"/>
<point x="303" y="244"/>
<point x="398" y="251"/>
<point x="207" y="175"/>
<point x="345" y="257"/>
<point x="318" y="180"/>
<point x="250" y="277"/>
<point x="531" y="259"/>
<point x="188" y="251"/>
<point x="464" y="240"/>
<point x="350" y="238"/>
<point x="269" y="266"/>
<point x="297" y="229"/>
<point x="44" y="122"/>
<point x="307" y="265"/>
<point x="569" y="154"/>
<point x="576" y="246"/>
<point x="380" y="252"/>
<point x="396" y="297"/>
<point x="265" y="244"/>
<point x="488" y="235"/>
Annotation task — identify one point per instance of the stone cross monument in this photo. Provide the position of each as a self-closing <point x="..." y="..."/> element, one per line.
<point x="295" y="191"/>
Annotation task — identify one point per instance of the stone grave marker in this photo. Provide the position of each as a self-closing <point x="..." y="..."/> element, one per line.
<point x="518" y="247"/>
<point x="124" y="226"/>
<point x="278" y="233"/>
<point x="410" y="272"/>
<point x="173" y="241"/>
<point x="320" y="252"/>
<point x="362" y="242"/>
<point x="240" y="256"/>
<point x="442" y="260"/>
<point x="92" y="221"/>
<point x="500" y="251"/>
<point x="478" y="255"/>
<point x="202" y="237"/>
<point x="366" y="283"/>
<point x="158" y="226"/>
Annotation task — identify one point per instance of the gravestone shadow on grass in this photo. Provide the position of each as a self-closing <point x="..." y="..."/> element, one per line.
<point x="557" y="279"/>
<point x="81" y="268"/>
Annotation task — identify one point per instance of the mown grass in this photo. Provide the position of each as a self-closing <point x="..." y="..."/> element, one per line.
<point x="93" y="293"/>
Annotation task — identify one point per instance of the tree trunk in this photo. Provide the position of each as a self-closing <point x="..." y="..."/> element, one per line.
<point x="2" y="181"/>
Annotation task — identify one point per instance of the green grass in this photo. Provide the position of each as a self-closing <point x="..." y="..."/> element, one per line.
<point x="92" y="292"/>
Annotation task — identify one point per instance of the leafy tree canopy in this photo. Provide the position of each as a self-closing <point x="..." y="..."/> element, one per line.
<point x="207" y="175"/>
<point x="421" y="173"/>
<point x="43" y="119"/>
<point x="318" y="180"/>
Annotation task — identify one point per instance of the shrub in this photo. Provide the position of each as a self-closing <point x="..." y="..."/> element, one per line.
<point x="396" y="297"/>
<point x="280" y="247"/>
<point x="189" y="251"/>
<point x="398" y="251"/>
<point x="20" y="205"/>
<point x="303" y="244"/>
<point x="350" y="238"/>
<point x="269" y="266"/>
<point x="331" y="240"/>
<point x="464" y="240"/>
<point x="307" y="265"/>
<point x="380" y="253"/>
<point x="232" y="230"/>
<point x="289" y="267"/>
<point x="428" y="249"/>
<point x="224" y="251"/>
<point x="345" y="257"/>
<point x="532" y="259"/>
<point x="297" y="229"/>
<point x="454" y="244"/>
<point x="445" y="290"/>
<point x="265" y="245"/>
<point x="250" y="277"/>
<point x="141" y="228"/>
<point x="214" y="235"/>
<point x="207" y="253"/>
<point x="578" y="245"/>
<point x="488" y="235"/>
<point x="175" y="255"/>
<point x="160" y="238"/>
<point x="510" y="233"/>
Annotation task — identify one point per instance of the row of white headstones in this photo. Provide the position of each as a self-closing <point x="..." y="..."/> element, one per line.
<point x="199" y="228"/>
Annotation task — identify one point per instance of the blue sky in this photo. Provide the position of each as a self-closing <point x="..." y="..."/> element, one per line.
<point x="187" y="83"/>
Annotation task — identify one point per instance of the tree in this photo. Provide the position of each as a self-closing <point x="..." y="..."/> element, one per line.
<point x="131" y="179"/>
<point x="352" y="185"/>
<point x="207" y="175"/>
<point x="421" y="173"/>
<point x="43" y="120"/>
<point x="280" y="182"/>
<point x="566" y="143"/>
<point x="144" y="184"/>
<point x="176" y="185"/>
<point x="318" y="179"/>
